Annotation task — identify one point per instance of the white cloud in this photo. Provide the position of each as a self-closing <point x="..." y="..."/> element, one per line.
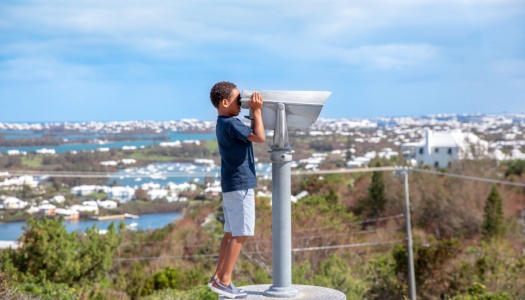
<point x="169" y="25"/>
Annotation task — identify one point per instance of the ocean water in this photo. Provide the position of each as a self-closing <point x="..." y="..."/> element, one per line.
<point x="12" y="231"/>
<point x="174" y="136"/>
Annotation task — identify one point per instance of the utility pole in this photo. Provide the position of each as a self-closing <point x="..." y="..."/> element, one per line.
<point x="411" y="273"/>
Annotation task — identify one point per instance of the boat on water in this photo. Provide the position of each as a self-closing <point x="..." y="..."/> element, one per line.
<point x="130" y="216"/>
<point x="132" y="226"/>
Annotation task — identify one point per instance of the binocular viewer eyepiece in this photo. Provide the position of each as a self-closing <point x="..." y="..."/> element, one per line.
<point x="287" y="110"/>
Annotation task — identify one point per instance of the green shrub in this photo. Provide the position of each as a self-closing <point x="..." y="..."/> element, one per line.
<point x="479" y="292"/>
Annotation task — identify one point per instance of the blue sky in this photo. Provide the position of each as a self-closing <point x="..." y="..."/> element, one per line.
<point x="157" y="60"/>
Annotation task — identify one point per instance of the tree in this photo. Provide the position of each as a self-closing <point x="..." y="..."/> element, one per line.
<point x="332" y="198"/>
<point x="376" y="199"/>
<point x="141" y="194"/>
<point x="515" y="167"/>
<point x="49" y="254"/>
<point x="493" y="217"/>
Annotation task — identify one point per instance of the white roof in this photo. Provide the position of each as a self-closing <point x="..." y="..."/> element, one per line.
<point x="446" y="139"/>
<point x="12" y="200"/>
<point x="67" y="212"/>
<point x="47" y="206"/>
<point x="450" y="139"/>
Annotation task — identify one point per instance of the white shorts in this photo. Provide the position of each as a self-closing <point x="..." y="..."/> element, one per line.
<point x="239" y="212"/>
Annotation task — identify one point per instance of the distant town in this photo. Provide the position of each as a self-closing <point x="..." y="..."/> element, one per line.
<point x="146" y="171"/>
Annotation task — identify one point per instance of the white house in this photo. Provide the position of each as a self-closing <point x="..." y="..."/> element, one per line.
<point x="13" y="203"/>
<point x="47" y="209"/>
<point x="32" y="210"/>
<point x="214" y="190"/>
<point x="121" y="193"/>
<point x="58" y="199"/>
<point x="129" y="161"/>
<point x="150" y="186"/>
<point x="109" y="163"/>
<point x="90" y="203"/>
<point x="157" y="193"/>
<point x="440" y="149"/>
<point x="84" y="190"/>
<point x="46" y="151"/>
<point x="68" y="214"/>
<point x="20" y="181"/>
<point x="185" y="186"/>
<point x="13" y="152"/>
<point x="175" y="144"/>
<point x="107" y="204"/>
<point x="85" y="208"/>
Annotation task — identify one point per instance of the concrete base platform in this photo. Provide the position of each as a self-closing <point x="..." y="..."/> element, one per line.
<point x="306" y="292"/>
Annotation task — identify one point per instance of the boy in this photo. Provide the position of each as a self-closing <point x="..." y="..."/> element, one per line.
<point x="237" y="179"/>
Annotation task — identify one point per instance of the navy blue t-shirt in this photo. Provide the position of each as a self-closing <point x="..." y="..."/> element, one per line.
<point x="237" y="162"/>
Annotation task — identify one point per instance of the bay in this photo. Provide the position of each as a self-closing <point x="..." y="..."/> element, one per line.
<point x="173" y="136"/>
<point x="13" y="230"/>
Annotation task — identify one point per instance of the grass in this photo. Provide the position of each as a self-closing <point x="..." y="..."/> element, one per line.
<point x="211" y="145"/>
<point x="145" y="156"/>
<point x="34" y="161"/>
<point x="97" y="196"/>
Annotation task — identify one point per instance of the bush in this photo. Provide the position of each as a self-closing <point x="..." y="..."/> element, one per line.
<point x="515" y="167"/>
<point x="173" y="278"/>
<point x="51" y="260"/>
<point x="479" y="292"/>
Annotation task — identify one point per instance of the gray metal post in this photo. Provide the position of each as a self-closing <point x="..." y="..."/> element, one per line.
<point x="411" y="273"/>
<point x="281" y="225"/>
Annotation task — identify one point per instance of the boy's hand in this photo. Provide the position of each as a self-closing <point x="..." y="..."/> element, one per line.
<point x="256" y="101"/>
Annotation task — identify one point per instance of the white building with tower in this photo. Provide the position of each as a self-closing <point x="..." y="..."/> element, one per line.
<point x="440" y="149"/>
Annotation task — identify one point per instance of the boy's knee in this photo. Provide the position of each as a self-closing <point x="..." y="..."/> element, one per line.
<point x="241" y="238"/>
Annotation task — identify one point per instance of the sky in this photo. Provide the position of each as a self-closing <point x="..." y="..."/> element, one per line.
<point x="99" y="60"/>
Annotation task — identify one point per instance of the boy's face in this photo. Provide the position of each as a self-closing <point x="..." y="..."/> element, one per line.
<point x="232" y="105"/>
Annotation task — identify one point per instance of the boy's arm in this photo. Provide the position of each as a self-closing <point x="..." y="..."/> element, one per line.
<point x="258" y="135"/>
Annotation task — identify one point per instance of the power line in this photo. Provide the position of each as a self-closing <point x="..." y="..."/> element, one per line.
<point x="266" y="240"/>
<point x="342" y="171"/>
<point x="470" y="250"/>
<point x="81" y="174"/>
<point x="470" y="177"/>
<point x="343" y="246"/>
<point x="354" y="223"/>
<point x="75" y="174"/>
<point x="300" y="230"/>
<point x="256" y="252"/>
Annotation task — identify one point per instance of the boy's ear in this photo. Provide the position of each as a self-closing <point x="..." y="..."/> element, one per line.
<point x="224" y="102"/>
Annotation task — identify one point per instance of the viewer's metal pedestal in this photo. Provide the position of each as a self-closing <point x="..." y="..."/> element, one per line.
<point x="281" y="225"/>
<point x="305" y="292"/>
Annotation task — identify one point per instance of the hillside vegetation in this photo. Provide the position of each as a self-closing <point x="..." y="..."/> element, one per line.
<point x="468" y="244"/>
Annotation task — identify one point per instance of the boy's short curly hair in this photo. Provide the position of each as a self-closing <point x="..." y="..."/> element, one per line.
<point x="221" y="90"/>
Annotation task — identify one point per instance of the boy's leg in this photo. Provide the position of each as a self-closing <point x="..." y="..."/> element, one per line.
<point x="222" y="253"/>
<point x="231" y="254"/>
<point x="239" y="209"/>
